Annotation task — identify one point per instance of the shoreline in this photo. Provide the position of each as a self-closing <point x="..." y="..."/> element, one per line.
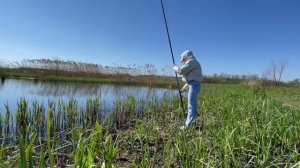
<point x="124" y="79"/>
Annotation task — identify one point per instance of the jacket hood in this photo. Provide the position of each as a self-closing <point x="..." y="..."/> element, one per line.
<point x="186" y="55"/>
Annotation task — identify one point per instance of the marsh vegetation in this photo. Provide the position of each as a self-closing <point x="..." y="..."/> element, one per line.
<point x="238" y="126"/>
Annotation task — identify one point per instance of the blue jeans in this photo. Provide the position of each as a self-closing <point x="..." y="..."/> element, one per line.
<point x="194" y="89"/>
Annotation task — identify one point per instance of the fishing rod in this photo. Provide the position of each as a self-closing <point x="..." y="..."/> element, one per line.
<point x="170" y="45"/>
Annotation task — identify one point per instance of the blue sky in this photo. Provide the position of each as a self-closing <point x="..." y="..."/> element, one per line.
<point x="230" y="36"/>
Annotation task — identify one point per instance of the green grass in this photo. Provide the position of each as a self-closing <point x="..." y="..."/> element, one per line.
<point x="239" y="126"/>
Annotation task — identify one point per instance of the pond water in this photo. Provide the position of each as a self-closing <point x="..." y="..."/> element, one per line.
<point x="12" y="90"/>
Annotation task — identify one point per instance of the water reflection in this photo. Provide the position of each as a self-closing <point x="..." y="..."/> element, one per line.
<point x="58" y="89"/>
<point x="2" y="80"/>
<point x="11" y="90"/>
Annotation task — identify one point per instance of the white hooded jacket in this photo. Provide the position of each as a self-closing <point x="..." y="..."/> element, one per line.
<point x="190" y="70"/>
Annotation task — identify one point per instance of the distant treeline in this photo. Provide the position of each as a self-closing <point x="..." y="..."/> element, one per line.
<point x="57" y="69"/>
<point x="248" y="80"/>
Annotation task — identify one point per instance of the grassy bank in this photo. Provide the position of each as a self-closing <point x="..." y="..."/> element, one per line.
<point x="56" y="75"/>
<point x="239" y="126"/>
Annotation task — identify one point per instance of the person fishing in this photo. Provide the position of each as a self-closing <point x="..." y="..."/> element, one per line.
<point x="192" y="76"/>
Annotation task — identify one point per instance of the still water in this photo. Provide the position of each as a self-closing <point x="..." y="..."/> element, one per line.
<point x="12" y="90"/>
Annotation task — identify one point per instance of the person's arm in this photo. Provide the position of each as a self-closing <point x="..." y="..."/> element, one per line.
<point x="184" y="88"/>
<point x="183" y="69"/>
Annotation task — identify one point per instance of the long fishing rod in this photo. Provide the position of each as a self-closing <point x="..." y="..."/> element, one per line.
<point x="162" y="6"/>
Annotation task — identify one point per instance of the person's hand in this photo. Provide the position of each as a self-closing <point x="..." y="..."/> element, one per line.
<point x="182" y="90"/>
<point x="175" y="67"/>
